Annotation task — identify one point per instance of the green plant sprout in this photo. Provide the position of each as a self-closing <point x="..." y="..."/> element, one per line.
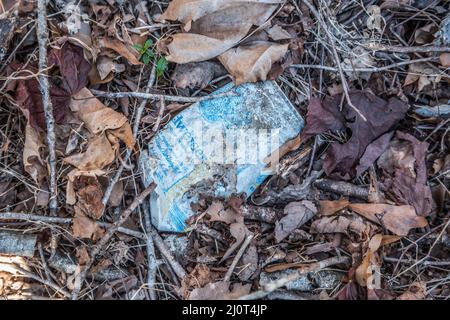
<point x="147" y="55"/>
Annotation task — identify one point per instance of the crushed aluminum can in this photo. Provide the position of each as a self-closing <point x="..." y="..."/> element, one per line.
<point x="217" y="147"/>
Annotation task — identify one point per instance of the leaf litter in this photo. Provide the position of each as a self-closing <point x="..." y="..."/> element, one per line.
<point x="348" y="194"/>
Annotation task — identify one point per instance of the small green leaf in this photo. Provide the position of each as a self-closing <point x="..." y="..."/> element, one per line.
<point x="148" y="43"/>
<point x="138" y="47"/>
<point x="146" y="59"/>
<point x="161" y="66"/>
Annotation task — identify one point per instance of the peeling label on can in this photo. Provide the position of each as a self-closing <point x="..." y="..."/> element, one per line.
<point x="217" y="147"/>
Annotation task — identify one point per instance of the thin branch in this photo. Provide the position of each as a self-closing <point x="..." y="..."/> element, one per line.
<point x="154" y="96"/>
<point x="238" y="256"/>
<point x="417" y="49"/>
<point x="276" y="284"/>
<point x="371" y="69"/>
<point x="42" y="35"/>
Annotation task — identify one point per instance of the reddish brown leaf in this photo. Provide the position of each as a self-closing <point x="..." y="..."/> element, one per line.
<point x="381" y="115"/>
<point x="406" y="172"/>
<point x="72" y="65"/>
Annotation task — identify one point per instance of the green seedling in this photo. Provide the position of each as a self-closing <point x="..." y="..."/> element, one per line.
<point x="147" y="55"/>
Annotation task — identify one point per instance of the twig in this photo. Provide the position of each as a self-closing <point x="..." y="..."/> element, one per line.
<point x="97" y="249"/>
<point x="420" y="49"/>
<point x="58" y="220"/>
<point x="159" y="242"/>
<point x="372" y="69"/>
<point x="154" y="96"/>
<point x="152" y="262"/>
<point x="162" y="108"/>
<point x="276" y="284"/>
<point x="238" y="256"/>
<point x="336" y="57"/>
<point x="137" y="121"/>
<point x="47" y="104"/>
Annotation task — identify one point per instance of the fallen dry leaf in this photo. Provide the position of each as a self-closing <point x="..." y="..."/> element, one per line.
<point x="72" y="65"/>
<point x="277" y="33"/>
<point x="27" y="93"/>
<point x="98" y="118"/>
<point x="296" y="215"/>
<point x="128" y="52"/>
<point x="382" y="116"/>
<point x="445" y="59"/>
<point x="422" y="74"/>
<point x="33" y="163"/>
<point x="215" y="33"/>
<point x="339" y="224"/>
<point x="106" y="66"/>
<point x="249" y="263"/>
<point x="329" y="207"/>
<point x="397" y="219"/>
<point x="405" y="175"/>
<point x="187" y="11"/>
<point x="252" y="62"/>
<point x="373" y="152"/>
<point x="196" y="74"/>
<point x="220" y="291"/>
<point x="367" y="273"/>
<point x="417" y="291"/>
<point x="239" y="231"/>
<point x="84" y="227"/>
<point x="100" y="153"/>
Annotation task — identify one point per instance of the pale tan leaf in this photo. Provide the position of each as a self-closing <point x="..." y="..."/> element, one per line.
<point x="251" y="63"/>
<point x="339" y="224"/>
<point x="187" y="11"/>
<point x="329" y="207"/>
<point x="98" y="155"/>
<point x="445" y="59"/>
<point x="417" y="291"/>
<point x="128" y="52"/>
<point x="215" y="33"/>
<point x="397" y="219"/>
<point x="368" y="269"/>
<point x="99" y="118"/>
<point x="33" y="164"/>
<point x="84" y="227"/>
<point x="277" y="33"/>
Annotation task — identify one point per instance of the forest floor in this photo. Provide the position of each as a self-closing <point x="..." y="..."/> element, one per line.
<point x="358" y="206"/>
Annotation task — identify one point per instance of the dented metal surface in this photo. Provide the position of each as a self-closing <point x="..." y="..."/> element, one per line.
<point x="216" y="147"/>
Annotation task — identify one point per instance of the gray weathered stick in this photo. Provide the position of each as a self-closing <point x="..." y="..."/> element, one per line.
<point x="42" y="35"/>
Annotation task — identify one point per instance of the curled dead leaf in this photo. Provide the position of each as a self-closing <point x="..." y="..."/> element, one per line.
<point x="216" y="32"/>
<point x="339" y="224"/>
<point x="397" y="219"/>
<point x="296" y="214"/>
<point x="252" y="62"/>
<point x="128" y="52"/>
<point x="33" y="163"/>
<point x="84" y="227"/>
